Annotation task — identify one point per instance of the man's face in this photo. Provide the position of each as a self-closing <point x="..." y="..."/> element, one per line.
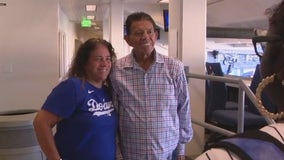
<point x="142" y="37"/>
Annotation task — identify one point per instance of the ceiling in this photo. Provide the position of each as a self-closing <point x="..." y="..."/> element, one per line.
<point x="75" y="9"/>
<point x="239" y="13"/>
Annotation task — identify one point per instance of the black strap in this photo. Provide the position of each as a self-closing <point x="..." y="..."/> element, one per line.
<point x="255" y="134"/>
<point x="258" y="134"/>
<point x="278" y="132"/>
<point x="233" y="148"/>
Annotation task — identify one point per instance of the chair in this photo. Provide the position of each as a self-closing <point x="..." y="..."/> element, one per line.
<point x="216" y="100"/>
<point x="214" y="68"/>
<point x="219" y="113"/>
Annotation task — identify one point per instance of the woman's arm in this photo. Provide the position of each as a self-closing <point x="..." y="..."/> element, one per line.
<point x="43" y="124"/>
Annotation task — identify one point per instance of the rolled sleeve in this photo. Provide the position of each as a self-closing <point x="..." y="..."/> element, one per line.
<point x="184" y="112"/>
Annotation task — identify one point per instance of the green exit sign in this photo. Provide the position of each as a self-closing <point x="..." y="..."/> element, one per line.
<point x="86" y="22"/>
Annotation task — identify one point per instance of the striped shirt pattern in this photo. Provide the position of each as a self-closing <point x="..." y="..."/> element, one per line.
<point x="153" y="107"/>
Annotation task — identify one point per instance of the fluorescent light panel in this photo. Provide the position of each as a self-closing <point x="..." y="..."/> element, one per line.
<point x="91" y="7"/>
<point x="92" y="17"/>
<point x="164" y="1"/>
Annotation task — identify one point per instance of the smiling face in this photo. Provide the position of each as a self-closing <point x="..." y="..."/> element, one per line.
<point x="142" y="37"/>
<point x="98" y="65"/>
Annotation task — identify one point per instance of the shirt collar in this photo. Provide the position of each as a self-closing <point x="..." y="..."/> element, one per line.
<point x="130" y="62"/>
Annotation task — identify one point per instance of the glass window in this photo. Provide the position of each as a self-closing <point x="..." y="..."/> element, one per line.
<point x="237" y="56"/>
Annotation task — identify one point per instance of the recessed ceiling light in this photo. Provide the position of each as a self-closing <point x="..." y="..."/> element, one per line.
<point x="91" y="7"/>
<point x="92" y="17"/>
<point x="163" y="1"/>
<point x="97" y="28"/>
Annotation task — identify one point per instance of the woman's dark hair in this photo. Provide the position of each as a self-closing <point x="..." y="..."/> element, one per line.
<point x="273" y="57"/>
<point x="276" y="19"/>
<point x="82" y="56"/>
<point x="272" y="61"/>
<point x="137" y="16"/>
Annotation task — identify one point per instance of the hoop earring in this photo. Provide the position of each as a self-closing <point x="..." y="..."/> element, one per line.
<point x="261" y="108"/>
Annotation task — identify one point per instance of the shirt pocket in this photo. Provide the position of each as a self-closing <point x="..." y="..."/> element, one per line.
<point x="163" y="88"/>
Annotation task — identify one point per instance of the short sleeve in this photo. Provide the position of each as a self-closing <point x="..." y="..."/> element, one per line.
<point x="62" y="100"/>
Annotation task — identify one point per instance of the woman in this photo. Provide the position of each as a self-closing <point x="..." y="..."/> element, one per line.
<point x="81" y="108"/>
<point x="273" y="60"/>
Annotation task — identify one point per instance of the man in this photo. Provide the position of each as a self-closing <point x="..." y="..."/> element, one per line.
<point x="152" y="97"/>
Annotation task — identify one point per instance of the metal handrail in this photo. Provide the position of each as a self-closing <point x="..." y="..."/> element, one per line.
<point x="243" y="90"/>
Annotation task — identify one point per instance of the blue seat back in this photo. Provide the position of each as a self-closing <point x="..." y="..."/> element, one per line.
<point x="216" y="92"/>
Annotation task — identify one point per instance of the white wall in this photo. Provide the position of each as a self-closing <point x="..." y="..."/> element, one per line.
<point x="29" y="60"/>
<point x="187" y="39"/>
<point x="69" y="30"/>
<point x="193" y="54"/>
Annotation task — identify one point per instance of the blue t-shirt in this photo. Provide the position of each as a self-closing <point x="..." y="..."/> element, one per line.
<point x="90" y="122"/>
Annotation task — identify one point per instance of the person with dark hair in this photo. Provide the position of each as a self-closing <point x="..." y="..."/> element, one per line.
<point x="267" y="142"/>
<point x="272" y="61"/>
<point x="81" y="108"/>
<point x="152" y="97"/>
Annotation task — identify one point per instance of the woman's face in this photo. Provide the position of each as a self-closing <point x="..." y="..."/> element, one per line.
<point x="98" y="65"/>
